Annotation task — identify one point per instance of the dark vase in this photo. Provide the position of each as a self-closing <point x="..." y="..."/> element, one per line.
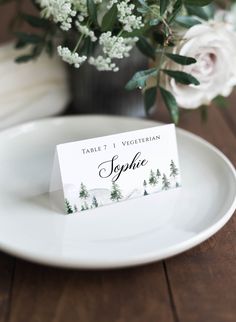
<point x="96" y="92"/>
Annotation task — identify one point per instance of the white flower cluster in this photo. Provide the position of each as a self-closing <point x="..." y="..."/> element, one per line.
<point x="126" y="15"/>
<point x="66" y="12"/>
<point x="61" y="11"/>
<point x="103" y="63"/>
<point x="70" y="57"/>
<point x="81" y="7"/>
<point x="83" y="29"/>
<point x="113" y="47"/>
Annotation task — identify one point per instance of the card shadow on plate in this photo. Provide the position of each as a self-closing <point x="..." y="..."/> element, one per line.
<point x="53" y="201"/>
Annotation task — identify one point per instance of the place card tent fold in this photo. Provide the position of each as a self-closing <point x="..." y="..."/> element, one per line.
<point x="148" y="159"/>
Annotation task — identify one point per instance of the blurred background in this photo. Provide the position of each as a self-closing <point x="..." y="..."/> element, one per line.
<point x="47" y="87"/>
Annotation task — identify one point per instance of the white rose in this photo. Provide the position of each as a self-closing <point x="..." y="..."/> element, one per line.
<point x="213" y="45"/>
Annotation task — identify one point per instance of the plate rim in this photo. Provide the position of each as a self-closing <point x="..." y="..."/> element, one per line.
<point x="149" y="257"/>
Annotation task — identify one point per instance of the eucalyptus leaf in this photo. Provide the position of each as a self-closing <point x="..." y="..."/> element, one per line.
<point x="145" y="47"/>
<point x="109" y="19"/>
<point x="139" y="79"/>
<point x="181" y="77"/>
<point x="150" y="98"/>
<point x="36" y="22"/>
<point x="176" y="9"/>
<point x="29" y="38"/>
<point x="24" y="58"/>
<point x="92" y="10"/>
<point x="204" y="113"/>
<point x="171" y="104"/>
<point x="187" y="21"/>
<point x="182" y="60"/>
<point x="201" y="12"/>
<point x="163" y="6"/>
<point x="200" y="3"/>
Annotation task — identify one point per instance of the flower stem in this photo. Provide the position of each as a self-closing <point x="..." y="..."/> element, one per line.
<point x="78" y="43"/>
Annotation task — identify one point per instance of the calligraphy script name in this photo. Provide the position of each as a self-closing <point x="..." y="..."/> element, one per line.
<point x="110" y="167"/>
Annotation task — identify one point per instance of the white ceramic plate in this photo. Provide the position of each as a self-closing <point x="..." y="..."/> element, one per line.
<point x="130" y="233"/>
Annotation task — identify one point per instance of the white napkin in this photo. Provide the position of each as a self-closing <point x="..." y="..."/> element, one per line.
<point x="30" y="90"/>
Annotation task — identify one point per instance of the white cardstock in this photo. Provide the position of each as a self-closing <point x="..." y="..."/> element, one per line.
<point x="110" y="169"/>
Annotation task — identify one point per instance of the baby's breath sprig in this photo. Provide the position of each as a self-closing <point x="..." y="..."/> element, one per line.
<point x="105" y="31"/>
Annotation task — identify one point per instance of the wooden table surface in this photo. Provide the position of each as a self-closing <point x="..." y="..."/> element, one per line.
<point x="196" y="286"/>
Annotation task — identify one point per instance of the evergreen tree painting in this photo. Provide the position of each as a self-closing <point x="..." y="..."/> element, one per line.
<point x="83" y="194"/>
<point x="152" y="179"/>
<point x="158" y="174"/>
<point x="86" y="207"/>
<point x="94" y="202"/>
<point x="144" y="186"/>
<point x="82" y="208"/>
<point x="115" y="192"/>
<point x="165" y="182"/>
<point x="68" y="207"/>
<point x="173" y="170"/>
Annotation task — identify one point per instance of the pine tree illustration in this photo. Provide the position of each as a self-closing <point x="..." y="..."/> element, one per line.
<point x="158" y="174"/>
<point x="68" y="207"/>
<point x="83" y="194"/>
<point x="86" y="206"/>
<point x="75" y="208"/>
<point x="165" y="182"/>
<point x="115" y="192"/>
<point x="94" y="202"/>
<point x="152" y="178"/>
<point x="144" y="186"/>
<point x="173" y="170"/>
<point x="82" y="208"/>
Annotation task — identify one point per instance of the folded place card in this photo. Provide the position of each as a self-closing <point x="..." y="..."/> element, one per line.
<point x="110" y="169"/>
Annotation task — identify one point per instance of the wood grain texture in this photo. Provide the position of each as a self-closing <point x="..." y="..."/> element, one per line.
<point x="7" y="264"/>
<point x="203" y="280"/>
<point x="197" y="286"/>
<point x="54" y="295"/>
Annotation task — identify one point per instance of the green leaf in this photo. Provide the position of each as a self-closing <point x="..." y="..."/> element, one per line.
<point x="200" y="3"/>
<point x="88" y="47"/>
<point x="35" y="21"/>
<point x="49" y="48"/>
<point x="187" y="21"/>
<point x="109" y="19"/>
<point x="92" y="10"/>
<point x="181" y="77"/>
<point x="204" y="113"/>
<point x="163" y="6"/>
<point x="154" y="22"/>
<point x="182" y="60"/>
<point x="144" y="4"/>
<point x="204" y="13"/>
<point x="171" y="104"/>
<point x="220" y="101"/>
<point x="176" y="9"/>
<point x="135" y="32"/>
<point x="150" y="98"/>
<point x="145" y="47"/>
<point x="24" y="58"/>
<point x="29" y="38"/>
<point x="20" y="44"/>
<point x="139" y="79"/>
